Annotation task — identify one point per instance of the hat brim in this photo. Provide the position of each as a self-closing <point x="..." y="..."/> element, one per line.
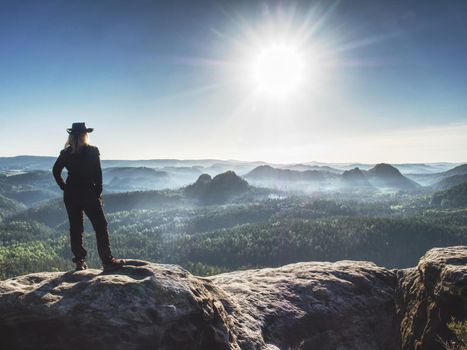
<point x="71" y="131"/>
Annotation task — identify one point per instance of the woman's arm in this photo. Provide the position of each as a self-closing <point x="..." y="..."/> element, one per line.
<point x="57" y="170"/>
<point x="98" y="173"/>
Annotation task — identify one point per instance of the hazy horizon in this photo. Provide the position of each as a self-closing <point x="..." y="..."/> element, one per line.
<point x="308" y="162"/>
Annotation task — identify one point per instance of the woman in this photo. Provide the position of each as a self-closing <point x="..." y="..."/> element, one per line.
<point x="82" y="192"/>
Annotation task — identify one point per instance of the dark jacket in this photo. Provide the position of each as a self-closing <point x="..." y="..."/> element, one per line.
<point x="84" y="169"/>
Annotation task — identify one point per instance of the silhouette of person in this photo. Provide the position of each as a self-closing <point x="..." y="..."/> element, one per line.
<point x="82" y="192"/>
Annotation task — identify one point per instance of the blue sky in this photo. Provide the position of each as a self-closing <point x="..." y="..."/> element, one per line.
<point x="385" y="80"/>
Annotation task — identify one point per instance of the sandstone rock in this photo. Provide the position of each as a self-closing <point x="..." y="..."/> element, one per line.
<point x="429" y="295"/>
<point x="340" y="306"/>
<point x="143" y="306"/>
<point x="343" y="305"/>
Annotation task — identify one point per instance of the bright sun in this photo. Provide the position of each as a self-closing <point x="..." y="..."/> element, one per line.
<point x="277" y="70"/>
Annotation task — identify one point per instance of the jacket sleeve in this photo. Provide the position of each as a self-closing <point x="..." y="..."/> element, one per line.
<point x="98" y="173"/>
<point x="57" y="170"/>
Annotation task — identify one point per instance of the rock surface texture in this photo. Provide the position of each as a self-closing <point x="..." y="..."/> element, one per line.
<point x="143" y="306"/>
<point x="430" y="295"/>
<point x="340" y="306"/>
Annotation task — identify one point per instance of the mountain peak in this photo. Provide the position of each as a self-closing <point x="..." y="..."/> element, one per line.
<point x="218" y="189"/>
<point x="353" y="172"/>
<point x="355" y="178"/>
<point x="386" y="176"/>
<point x="384" y="169"/>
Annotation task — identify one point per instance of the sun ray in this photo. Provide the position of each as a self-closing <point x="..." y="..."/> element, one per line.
<point x="285" y="54"/>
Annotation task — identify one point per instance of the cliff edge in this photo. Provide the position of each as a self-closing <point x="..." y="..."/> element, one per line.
<point x="310" y="305"/>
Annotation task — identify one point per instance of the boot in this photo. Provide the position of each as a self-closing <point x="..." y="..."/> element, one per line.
<point x="80" y="264"/>
<point x="113" y="264"/>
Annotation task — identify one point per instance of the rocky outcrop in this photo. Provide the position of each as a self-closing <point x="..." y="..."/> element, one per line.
<point x="430" y="295"/>
<point x="220" y="189"/>
<point x="342" y="305"/>
<point x="314" y="305"/>
<point x="143" y="306"/>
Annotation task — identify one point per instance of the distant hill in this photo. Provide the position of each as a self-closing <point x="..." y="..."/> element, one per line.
<point x="449" y="182"/>
<point x="8" y="206"/>
<point x="219" y="189"/>
<point x="29" y="188"/>
<point x="134" y="178"/>
<point x="419" y="168"/>
<point x="52" y="213"/>
<point x="355" y="178"/>
<point x="454" y="197"/>
<point x="134" y="172"/>
<point x="267" y="173"/>
<point x="458" y="170"/>
<point x="342" y="166"/>
<point x="31" y="197"/>
<point x="184" y="170"/>
<point x="304" y="167"/>
<point x="386" y="176"/>
<point x="26" y="163"/>
<point x="4" y="185"/>
<point x="32" y="180"/>
<point x="435" y="179"/>
<point x="383" y="176"/>
<point x="200" y="186"/>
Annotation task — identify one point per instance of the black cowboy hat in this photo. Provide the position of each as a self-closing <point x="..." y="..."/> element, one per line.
<point x="78" y="129"/>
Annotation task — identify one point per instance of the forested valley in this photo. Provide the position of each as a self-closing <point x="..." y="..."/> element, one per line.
<point x="224" y="223"/>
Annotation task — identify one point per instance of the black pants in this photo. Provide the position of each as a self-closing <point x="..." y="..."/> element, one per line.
<point x="77" y="201"/>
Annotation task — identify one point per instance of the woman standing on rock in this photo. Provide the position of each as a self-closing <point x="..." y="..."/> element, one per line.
<point x="82" y="192"/>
